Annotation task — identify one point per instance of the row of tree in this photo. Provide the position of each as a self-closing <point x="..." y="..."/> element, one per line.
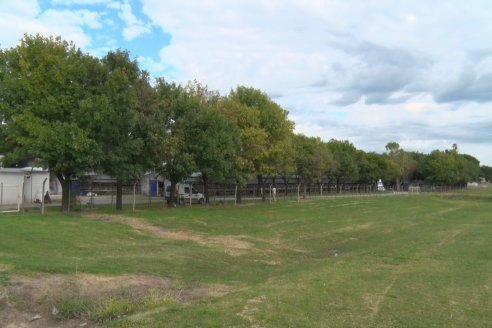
<point x="75" y="113"/>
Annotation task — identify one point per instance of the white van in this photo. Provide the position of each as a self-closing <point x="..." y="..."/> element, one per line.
<point x="183" y="194"/>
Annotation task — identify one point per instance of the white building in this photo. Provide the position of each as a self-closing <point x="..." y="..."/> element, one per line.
<point x="28" y="179"/>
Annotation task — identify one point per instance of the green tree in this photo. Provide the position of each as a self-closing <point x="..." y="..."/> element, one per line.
<point x="440" y="167"/>
<point x="43" y="82"/>
<point x="486" y="172"/>
<point x="344" y="168"/>
<point x="276" y="126"/>
<point x="253" y="138"/>
<point x="471" y="168"/>
<point x="313" y="158"/>
<point x="404" y="161"/>
<point x="114" y="120"/>
<point x="176" y="106"/>
<point x="373" y="166"/>
<point x="214" y="144"/>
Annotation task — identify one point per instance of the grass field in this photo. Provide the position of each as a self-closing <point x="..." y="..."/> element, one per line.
<point x="396" y="261"/>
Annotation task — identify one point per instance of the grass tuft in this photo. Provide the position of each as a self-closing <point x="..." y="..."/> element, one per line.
<point x="5" y="278"/>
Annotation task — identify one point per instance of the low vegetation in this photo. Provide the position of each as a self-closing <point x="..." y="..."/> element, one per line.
<point x="389" y="261"/>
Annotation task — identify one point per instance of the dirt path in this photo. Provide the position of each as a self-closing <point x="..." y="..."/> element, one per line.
<point x="29" y="301"/>
<point x="235" y="245"/>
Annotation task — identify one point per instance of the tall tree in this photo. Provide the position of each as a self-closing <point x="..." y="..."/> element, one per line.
<point x="175" y="106"/>
<point x="344" y="168"/>
<point x="43" y="82"/>
<point x="276" y="126"/>
<point x="214" y="144"/>
<point x="404" y="160"/>
<point x="373" y="167"/>
<point x="115" y="120"/>
<point x="253" y="138"/>
<point x="312" y="158"/>
<point x="440" y="167"/>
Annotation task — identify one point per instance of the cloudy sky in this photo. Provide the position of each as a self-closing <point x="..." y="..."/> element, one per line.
<point x="417" y="72"/>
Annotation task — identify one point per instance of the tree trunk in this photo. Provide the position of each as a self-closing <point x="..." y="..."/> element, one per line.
<point x="205" y="188"/>
<point x="119" y="195"/>
<point x="286" y="185"/>
<point x="239" y="196"/>
<point x="260" y="188"/>
<point x="339" y="186"/>
<point x="66" y="185"/>
<point x="397" y="184"/>
<point x="172" y="194"/>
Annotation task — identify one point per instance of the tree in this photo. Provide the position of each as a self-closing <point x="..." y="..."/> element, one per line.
<point x="486" y="172"/>
<point x="114" y="120"/>
<point x="404" y="161"/>
<point x="43" y="82"/>
<point x="373" y="167"/>
<point x="253" y="138"/>
<point x="471" y="168"/>
<point x="176" y="105"/>
<point x="344" y="168"/>
<point x="276" y="126"/>
<point x="440" y="168"/>
<point x="214" y="143"/>
<point x="312" y="157"/>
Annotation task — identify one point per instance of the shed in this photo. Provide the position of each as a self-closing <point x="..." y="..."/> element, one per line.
<point x="13" y="181"/>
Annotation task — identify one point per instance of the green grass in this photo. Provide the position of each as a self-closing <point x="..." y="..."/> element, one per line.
<point x="399" y="261"/>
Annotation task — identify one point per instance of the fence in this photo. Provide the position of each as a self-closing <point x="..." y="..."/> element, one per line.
<point x="97" y="194"/>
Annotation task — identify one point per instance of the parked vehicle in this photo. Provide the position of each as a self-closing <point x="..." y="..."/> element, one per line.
<point x="182" y="194"/>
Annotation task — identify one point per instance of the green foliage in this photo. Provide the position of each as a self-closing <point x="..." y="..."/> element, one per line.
<point x="373" y="167"/>
<point x="113" y="308"/>
<point x="266" y="129"/>
<point x="312" y="157"/>
<point x="72" y="308"/>
<point x="5" y="278"/>
<point x="102" y="310"/>
<point x="344" y="168"/>
<point x="43" y="83"/>
<point x="403" y="160"/>
<point x="486" y="172"/>
<point x="449" y="167"/>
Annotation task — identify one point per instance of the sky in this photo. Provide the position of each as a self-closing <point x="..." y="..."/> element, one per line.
<point x="416" y="72"/>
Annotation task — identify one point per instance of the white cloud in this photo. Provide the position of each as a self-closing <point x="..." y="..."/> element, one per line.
<point x="127" y="15"/>
<point x="398" y="57"/>
<point x="411" y="71"/>
<point x="134" y="27"/>
<point x="132" y="32"/>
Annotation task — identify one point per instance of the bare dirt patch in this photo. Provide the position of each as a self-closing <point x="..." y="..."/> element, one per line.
<point x="250" y="309"/>
<point x="233" y="243"/>
<point x="355" y="227"/>
<point x="28" y="302"/>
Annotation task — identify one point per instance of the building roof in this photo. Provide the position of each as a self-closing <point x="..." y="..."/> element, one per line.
<point x="23" y="170"/>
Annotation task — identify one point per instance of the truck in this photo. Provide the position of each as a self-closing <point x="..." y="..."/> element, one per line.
<point x="182" y="194"/>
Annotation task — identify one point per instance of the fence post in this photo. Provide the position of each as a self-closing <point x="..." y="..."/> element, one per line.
<point x="1" y="194"/>
<point x="42" y="197"/>
<point x="298" y="192"/>
<point x="235" y="195"/>
<point x="134" y="187"/>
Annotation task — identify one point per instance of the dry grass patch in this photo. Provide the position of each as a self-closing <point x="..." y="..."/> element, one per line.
<point x="235" y="246"/>
<point x="66" y="301"/>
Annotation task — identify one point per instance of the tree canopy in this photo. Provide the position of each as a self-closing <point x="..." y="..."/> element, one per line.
<point x="74" y="113"/>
